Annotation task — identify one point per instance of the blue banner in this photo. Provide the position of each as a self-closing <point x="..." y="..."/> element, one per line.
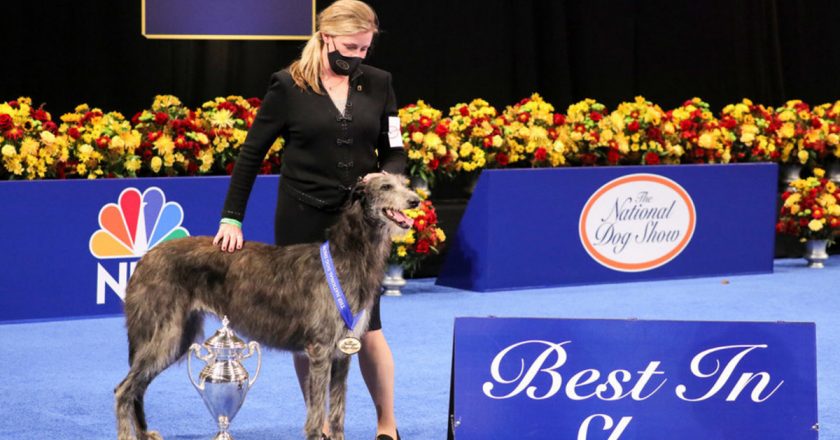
<point x="564" y="226"/>
<point x="72" y="245"/>
<point x="219" y="19"/>
<point x="610" y="379"/>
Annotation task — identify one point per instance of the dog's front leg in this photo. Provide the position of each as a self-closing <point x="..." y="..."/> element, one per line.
<point x="338" y="391"/>
<point x="319" y="376"/>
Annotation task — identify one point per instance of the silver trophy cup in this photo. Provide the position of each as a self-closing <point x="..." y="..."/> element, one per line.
<point x="223" y="382"/>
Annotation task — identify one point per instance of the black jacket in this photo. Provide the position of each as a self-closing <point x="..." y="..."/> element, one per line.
<point x="325" y="152"/>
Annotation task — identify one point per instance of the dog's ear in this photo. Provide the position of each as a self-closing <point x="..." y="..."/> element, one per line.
<point x="358" y="192"/>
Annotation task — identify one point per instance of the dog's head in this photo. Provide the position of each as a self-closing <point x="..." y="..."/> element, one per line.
<point x="384" y="197"/>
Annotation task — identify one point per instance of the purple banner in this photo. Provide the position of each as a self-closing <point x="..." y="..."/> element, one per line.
<point x="222" y="19"/>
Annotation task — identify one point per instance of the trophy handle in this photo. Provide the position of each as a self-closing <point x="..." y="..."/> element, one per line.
<point x="254" y="346"/>
<point x="195" y="349"/>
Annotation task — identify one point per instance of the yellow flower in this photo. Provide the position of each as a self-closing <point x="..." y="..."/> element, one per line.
<point x="133" y="164"/>
<point x="818" y="172"/>
<point x="164" y="145"/>
<point x="440" y="235"/>
<point x="787" y="129"/>
<point x="706" y="140"/>
<point x="803" y="156"/>
<point x="401" y="252"/>
<point x="222" y="119"/>
<point x="815" y="225"/>
<point x="466" y="149"/>
<point x="8" y="150"/>
<point x="157" y="162"/>
<point x="417" y="137"/>
<point x="47" y="137"/>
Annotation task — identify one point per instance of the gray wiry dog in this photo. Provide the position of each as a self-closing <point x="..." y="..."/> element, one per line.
<point x="275" y="295"/>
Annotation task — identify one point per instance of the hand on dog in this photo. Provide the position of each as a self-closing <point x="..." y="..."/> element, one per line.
<point x="229" y="236"/>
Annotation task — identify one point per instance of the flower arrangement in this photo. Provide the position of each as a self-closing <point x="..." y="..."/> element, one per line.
<point x="584" y="124"/>
<point x="424" y="139"/>
<point x="474" y="132"/>
<point x="226" y="122"/>
<point x="693" y="130"/>
<point x="422" y="239"/>
<point x="799" y="135"/>
<point x="632" y="135"/>
<point x="535" y="134"/>
<point x="29" y="146"/>
<point x="810" y="209"/>
<point x="829" y="115"/>
<point x="98" y="145"/>
<point x="750" y="131"/>
<point x="173" y="141"/>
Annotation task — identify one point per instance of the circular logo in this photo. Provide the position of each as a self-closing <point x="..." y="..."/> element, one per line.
<point x="637" y="222"/>
<point x="342" y="64"/>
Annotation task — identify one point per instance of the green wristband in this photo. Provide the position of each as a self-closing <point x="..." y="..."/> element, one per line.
<point x="230" y="221"/>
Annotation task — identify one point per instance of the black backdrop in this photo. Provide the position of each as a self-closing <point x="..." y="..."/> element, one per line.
<point x="447" y="51"/>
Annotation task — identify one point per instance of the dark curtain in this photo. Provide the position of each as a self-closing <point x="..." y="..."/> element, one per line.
<point x="449" y="51"/>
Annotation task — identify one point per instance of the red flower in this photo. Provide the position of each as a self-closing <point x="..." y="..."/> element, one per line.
<point x="442" y="129"/>
<point x="559" y="119"/>
<point x="654" y="133"/>
<point x="488" y="142"/>
<point x="255" y="102"/>
<point x="433" y="164"/>
<point x="422" y="246"/>
<point x="74" y="133"/>
<point x="524" y="117"/>
<point x="524" y="101"/>
<point x="13" y="133"/>
<point x="51" y="127"/>
<point x="595" y="116"/>
<point x="729" y="122"/>
<point x="502" y="159"/>
<point x="785" y="195"/>
<point x="540" y="155"/>
<point x="425" y="122"/>
<point x="465" y="111"/>
<point x="6" y="122"/>
<point x="103" y="142"/>
<point x="588" y="159"/>
<point x="14" y="104"/>
<point x="815" y="122"/>
<point x="39" y="115"/>
<point x="633" y="126"/>
<point x="651" y="158"/>
<point x="161" y="118"/>
<point x="552" y="134"/>
<point x="136" y="118"/>
<point x="613" y="156"/>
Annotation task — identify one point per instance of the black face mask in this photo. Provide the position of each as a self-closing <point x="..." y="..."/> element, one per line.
<point x="341" y="64"/>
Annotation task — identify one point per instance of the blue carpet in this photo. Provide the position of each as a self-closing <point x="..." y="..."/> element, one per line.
<point x="58" y="377"/>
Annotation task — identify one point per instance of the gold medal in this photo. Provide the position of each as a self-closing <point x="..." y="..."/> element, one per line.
<point x="350" y="345"/>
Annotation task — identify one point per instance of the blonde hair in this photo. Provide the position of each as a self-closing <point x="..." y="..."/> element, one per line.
<point x="344" y="17"/>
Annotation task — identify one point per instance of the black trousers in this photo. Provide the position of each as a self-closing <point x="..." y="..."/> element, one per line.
<point x="296" y="222"/>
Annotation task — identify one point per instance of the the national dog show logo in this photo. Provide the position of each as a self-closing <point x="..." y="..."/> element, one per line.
<point x="128" y="229"/>
<point x="637" y="222"/>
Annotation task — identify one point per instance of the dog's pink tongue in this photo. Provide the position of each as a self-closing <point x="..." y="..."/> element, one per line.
<point x="404" y="218"/>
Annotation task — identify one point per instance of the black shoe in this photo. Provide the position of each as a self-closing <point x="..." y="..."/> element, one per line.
<point x="387" y="437"/>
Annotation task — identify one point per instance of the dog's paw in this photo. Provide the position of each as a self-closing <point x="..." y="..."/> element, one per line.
<point x="153" y="435"/>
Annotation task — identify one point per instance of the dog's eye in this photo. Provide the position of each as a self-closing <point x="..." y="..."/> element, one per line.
<point x="387" y="187"/>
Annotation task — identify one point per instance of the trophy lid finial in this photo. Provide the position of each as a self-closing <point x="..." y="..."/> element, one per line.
<point x="225" y="338"/>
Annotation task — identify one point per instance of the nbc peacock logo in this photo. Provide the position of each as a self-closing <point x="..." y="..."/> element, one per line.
<point x="128" y="229"/>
